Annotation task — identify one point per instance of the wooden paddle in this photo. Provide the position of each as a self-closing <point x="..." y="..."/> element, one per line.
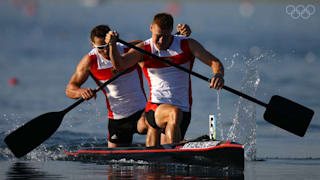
<point x="280" y="111"/>
<point x="35" y="132"/>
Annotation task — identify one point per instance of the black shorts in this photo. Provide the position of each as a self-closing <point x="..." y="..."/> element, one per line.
<point x="122" y="130"/>
<point x="186" y="118"/>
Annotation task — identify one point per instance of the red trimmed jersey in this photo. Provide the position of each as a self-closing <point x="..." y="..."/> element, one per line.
<point x="125" y="95"/>
<point x="167" y="84"/>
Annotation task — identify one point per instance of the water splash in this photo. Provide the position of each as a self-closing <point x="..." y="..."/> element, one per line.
<point x="219" y="117"/>
<point x="64" y="138"/>
<point x="41" y="154"/>
<point x="243" y="129"/>
<point x="55" y="146"/>
<point x="229" y="64"/>
<point x="11" y="122"/>
<point x="45" y="153"/>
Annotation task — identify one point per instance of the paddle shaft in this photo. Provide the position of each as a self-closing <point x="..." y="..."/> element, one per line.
<point x="33" y="133"/>
<point x="101" y="86"/>
<point x="193" y="73"/>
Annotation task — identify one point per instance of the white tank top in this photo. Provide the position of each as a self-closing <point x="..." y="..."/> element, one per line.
<point x="125" y="95"/>
<point x="167" y="84"/>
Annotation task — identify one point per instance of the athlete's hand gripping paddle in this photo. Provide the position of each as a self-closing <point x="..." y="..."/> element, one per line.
<point x="35" y="132"/>
<point x="280" y="111"/>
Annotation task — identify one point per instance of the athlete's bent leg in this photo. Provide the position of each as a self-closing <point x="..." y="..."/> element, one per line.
<point x="142" y="127"/>
<point x="163" y="138"/>
<point x="153" y="136"/>
<point x="169" y="117"/>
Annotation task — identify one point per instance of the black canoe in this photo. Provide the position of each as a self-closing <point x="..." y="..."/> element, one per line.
<point x="202" y="151"/>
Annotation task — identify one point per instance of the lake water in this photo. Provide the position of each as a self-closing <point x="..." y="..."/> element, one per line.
<point x="265" y="51"/>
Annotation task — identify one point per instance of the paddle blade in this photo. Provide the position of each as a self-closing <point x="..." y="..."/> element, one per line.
<point x="33" y="133"/>
<point x="288" y="115"/>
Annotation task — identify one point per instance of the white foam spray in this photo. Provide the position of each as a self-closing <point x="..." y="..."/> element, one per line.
<point x="243" y="128"/>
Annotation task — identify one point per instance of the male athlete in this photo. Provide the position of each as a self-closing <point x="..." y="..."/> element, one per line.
<point x="169" y="105"/>
<point x="125" y="97"/>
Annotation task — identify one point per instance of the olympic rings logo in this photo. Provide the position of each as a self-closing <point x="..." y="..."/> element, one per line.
<point x="305" y="12"/>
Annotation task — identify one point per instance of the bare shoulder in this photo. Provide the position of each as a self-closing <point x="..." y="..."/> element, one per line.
<point x="82" y="71"/>
<point x="84" y="63"/>
<point x="193" y="43"/>
<point x="195" y="47"/>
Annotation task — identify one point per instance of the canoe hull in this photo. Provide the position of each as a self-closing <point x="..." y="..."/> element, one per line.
<point x="218" y="154"/>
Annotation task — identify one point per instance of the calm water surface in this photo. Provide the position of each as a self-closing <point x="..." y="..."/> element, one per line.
<point x="265" y="52"/>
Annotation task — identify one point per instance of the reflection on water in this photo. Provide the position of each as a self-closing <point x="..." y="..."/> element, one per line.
<point x="25" y="170"/>
<point x="149" y="172"/>
<point x="113" y="170"/>
<point x="54" y="36"/>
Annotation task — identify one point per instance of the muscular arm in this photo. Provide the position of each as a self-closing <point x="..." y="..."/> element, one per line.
<point x="133" y="56"/>
<point x="73" y="89"/>
<point x="207" y="58"/>
<point x="126" y="60"/>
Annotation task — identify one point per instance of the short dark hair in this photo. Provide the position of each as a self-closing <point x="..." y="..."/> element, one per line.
<point x="163" y="20"/>
<point x="99" y="31"/>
